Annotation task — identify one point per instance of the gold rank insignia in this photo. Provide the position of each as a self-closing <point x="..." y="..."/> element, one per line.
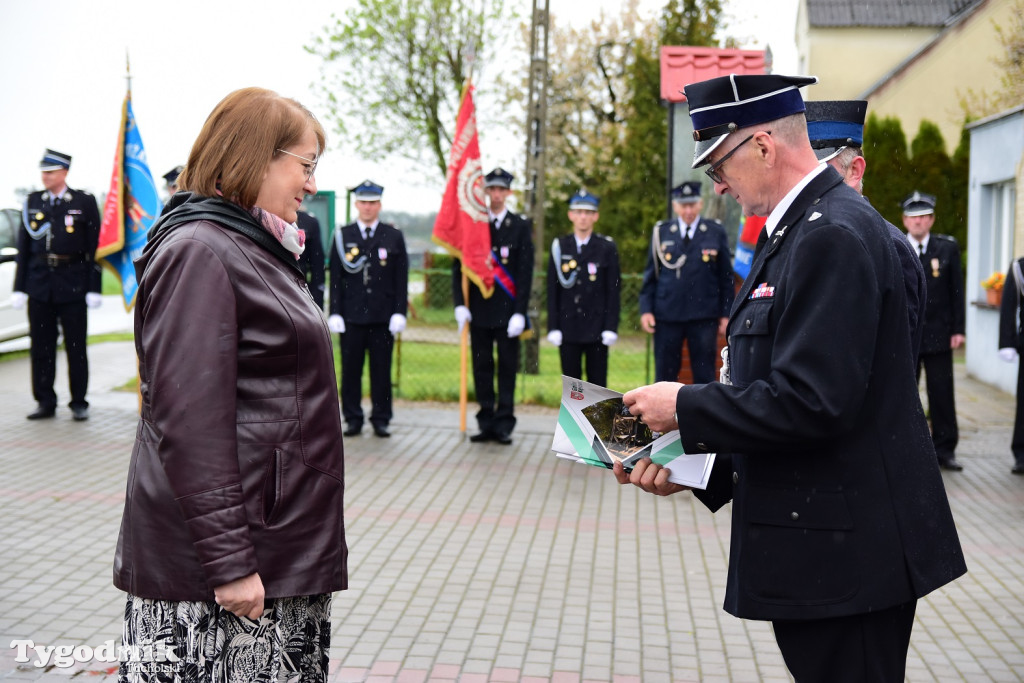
<point x="565" y="268"/>
<point x="572" y="263"/>
<point x="348" y="256"/>
<point x="33" y="224"/>
<point x="39" y="215"/>
<point x="668" y="257"/>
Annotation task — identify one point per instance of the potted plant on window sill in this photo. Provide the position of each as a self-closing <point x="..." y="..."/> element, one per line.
<point x="993" y="286"/>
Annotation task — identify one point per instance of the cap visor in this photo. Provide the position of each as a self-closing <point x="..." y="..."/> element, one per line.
<point x="705" y="147"/>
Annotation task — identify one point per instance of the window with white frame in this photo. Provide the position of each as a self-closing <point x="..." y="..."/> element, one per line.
<point x="997" y="210"/>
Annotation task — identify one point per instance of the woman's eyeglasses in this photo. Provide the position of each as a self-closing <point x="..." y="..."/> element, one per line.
<point x="309" y="166"/>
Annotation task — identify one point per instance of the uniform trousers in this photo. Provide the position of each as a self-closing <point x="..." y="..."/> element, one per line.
<point x="861" y="647"/>
<point x="938" y="376"/>
<point x="355" y="343"/>
<point x="494" y="418"/>
<point x="1017" y="443"/>
<point x="43" y="317"/>
<point x="702" y="339"/>
<point x="596" y="354"/>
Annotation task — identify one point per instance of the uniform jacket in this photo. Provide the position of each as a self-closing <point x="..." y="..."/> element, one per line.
<point x="379" y="286"/>
<point x="1011" y="313"/>
<point x="590" y="305"/>
<point x="914" y="282"/>
<point x="512" y="247"/>
<point x="838" y="503"/>
<point x="945" y="309"/>
<point x="238" y="463"/>
<point x="73" y="236"/>
<point x="702" y="288"/>
<point x="312" y="260"/>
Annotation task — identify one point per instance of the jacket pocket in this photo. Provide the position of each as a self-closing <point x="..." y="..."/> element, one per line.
<point x="798" y="547"/>
<point x="273" y="487"/>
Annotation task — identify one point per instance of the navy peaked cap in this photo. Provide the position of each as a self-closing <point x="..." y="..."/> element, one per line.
<point x="833" y="125"/>
<point x="686" y="193"/>
<point x="583" y="200"/>
<point x="499" y="177"/>
<point x="918" y="204"/>
<point x="719" y="106"/>
<point x="54" y="161"/>
<point x="368" y="191"/>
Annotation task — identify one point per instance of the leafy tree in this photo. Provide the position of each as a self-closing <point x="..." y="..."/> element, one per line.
<point x="886" y="181"/>
<point x="1010" y="63"/>
<point x="393" y="72"/>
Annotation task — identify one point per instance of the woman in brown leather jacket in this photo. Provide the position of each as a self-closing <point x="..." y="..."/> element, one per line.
<point x="233" y="539"/>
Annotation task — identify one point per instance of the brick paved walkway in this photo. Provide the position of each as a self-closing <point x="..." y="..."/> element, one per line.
<point x="488" y="563"/>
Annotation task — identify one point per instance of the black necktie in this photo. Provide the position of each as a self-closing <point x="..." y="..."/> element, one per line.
<point x="367" y="233"/>
<point x="762" y="239"/>
<point x="920" y="249"/>
<point x="686" y="236"/>
<point x="494" y="224"/>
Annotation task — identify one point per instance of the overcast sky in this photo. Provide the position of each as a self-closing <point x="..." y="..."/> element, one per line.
<point x="62" y="80"/>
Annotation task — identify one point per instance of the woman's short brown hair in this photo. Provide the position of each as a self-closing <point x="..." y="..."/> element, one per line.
<point x="238" y="141"/>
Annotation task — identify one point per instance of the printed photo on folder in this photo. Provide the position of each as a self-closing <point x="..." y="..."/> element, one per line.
<point x="595" y="428"/>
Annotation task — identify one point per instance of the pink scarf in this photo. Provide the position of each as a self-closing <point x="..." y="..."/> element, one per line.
<point x="288" y="234"/>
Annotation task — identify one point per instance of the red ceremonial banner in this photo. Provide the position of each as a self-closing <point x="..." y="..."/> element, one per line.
<point x="461" y="225"/>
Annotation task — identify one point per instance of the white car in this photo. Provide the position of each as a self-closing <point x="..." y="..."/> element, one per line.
<point x="13" y="323"/>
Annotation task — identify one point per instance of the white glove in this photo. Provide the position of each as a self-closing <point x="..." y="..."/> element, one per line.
<point x="1009" y="354"/>
<point x="555" y="337"/>
<point x="608" y="338"/>
<point x="397" y="323"/>
<point x="18" y="300"/>
<point x="93" y="299"/>
<point x="336" y="324"/>
<point x="462" y="316"/>
<point x="516" y="325"/>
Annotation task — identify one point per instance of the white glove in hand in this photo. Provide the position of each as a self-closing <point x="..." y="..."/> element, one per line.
<point x="336" y="324"/>
<point x="1008" y="354"/>
<point x="516" y="325"/>
<point x="397" y="323"/>
<point x="608" y="337"/>
<point x="93" y="299"/>
<point x="462" y="316"/>
<point x="18" y="300"/>
<point x="555" y="337"/>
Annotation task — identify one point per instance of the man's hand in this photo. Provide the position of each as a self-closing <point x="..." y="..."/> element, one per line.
<point x="647" y="323"/>
<point x="555" y="337"/>
<point x="655" y="404"/>
<point x="649" y="477"/>
<point x="18" y="300"/>
<point x="608" y="338"/>
<point x="93" y="299"/>
<point x="1008" y="354"/>
<point x="242" y="597"/>
<point x="956" y="341"/>
<point x="462" y="316"/>
<point x="336" y="323"/>
<point x="723" y="323"/>
<point x="516" y="325"/>
<point x="397" y="324"/>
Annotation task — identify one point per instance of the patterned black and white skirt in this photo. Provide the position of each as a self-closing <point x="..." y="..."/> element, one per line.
<point x="200" y="642"/>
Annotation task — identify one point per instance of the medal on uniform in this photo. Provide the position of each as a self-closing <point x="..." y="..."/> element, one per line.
<point x="592" y="269"/>
<point x="69" y="223"/>
<point x="382" y="254"/>
<point x="504" y="253"/>
<point x="39" y="215"/>
<point x="572" y="263"/>
<point x="935" y="267"/>
<point x="565" y="268"/>
<point x="668" y="256"/>
<point x="705" y="258"/>
<point x="354" y="251"/>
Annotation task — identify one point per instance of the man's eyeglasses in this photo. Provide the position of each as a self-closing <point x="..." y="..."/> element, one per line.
<point x="309" y="166"/>
<point x="712" y="170"/>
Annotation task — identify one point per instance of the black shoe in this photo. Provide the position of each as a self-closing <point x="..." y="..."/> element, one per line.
<point x="381" y="431"/>
<point x="1018" y="468"/>
<point x="42" y="413"/>
<point x="503" y="438"/>
<point x="951" y="464"/>
<point x="353" y="430"/>
<point x="80" y="413"/>
<point x="481" y="437"/>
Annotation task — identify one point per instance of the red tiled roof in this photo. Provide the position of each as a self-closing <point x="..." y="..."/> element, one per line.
<point x="681" y="66"/>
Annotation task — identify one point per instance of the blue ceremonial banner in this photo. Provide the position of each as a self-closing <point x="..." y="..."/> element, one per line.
<point x="132" y="206"/>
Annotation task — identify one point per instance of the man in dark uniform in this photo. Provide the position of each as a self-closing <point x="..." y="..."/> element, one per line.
<point x="312" y="259"/>
<point x="497" y="322"/>
<point x="944" y="316"/>
<point x="688" y="288"/>
<point x="171" y="180"/>
<point x="840" y="521"/>
<point x="58" y="275"/>
<point x="369" y="299"/>
<point x="1011" y="343"/>
<point x="583" y="293"/>
<point x="836" y="131"/>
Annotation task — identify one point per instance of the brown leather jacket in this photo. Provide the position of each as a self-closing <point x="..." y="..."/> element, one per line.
<point x="238" y="460"/>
